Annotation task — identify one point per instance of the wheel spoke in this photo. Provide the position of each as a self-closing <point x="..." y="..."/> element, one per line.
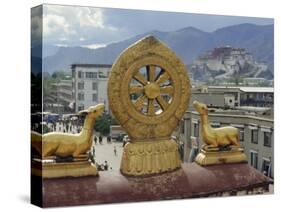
<point x="162" y="77"/>
<point x="136" y="89"/>
<point x="139" y="103"/>
<point x="150" y="110"/>
<point x="151" y="72"/>
<point x="167" y="89"/>
<point x="140" y="78"/>
<point x="162" y="102"/>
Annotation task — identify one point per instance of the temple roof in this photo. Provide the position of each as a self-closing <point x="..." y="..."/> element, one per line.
<point x="190" y="181"/>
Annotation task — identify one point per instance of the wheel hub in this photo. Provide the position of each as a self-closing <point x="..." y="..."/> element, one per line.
<point x="152" y="90"/>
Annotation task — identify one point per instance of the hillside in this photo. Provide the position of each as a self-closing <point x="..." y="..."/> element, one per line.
<point x="188" y="43"/>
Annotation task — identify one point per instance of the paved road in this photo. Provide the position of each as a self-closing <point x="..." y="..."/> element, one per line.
<point x="105" y="152"/>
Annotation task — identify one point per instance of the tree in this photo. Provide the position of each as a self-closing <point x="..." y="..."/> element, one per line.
<point x="103" y="123"/>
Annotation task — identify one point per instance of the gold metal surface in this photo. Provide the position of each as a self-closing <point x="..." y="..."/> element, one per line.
<point x="69" y="169"/>
<point x="222" y="145"/>
<point x="66" y="144"/>
<point x="144" y="158"/>
<point x="148" y="92"/>
<point x="215" y="137"/>
<point x="56" y="144"/>
<point x="205" y="158"/>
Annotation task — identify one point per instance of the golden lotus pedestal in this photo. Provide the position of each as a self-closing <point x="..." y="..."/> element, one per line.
<point x="77" y="168"/>
<point x="150" y="157"/>
<point x="211" y="157"/>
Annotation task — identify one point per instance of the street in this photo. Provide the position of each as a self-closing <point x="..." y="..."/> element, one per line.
<point x="105" y="152"/>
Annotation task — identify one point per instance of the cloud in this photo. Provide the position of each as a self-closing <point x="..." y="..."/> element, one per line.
<point x="36" y="25"/>
<point x="72" y="24"/>
<point x="88" y="26"/>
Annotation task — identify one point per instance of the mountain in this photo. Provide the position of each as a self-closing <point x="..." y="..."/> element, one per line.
<point x="188" y="43"/>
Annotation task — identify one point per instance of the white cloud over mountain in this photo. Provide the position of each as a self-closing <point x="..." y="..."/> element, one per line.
<point x="88" y="26"/>
<point x="67" y="23"/>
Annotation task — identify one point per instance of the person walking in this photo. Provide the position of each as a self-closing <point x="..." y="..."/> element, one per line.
<point x="115" y="151"/>
<point x="105" y="165"/>
<point x="100" y="139"/>
<point x="95" y="139"/>
<point x="93" y="151"/>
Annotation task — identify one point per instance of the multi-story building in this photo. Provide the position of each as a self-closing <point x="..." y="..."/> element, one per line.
<point x="234" y="96"/>
<point x="256" y="135"/>
<point x="89" y="84"/>
<point x="257" y="96"/>
<point x="63" y="91"/>
<point x="59" y="99"/>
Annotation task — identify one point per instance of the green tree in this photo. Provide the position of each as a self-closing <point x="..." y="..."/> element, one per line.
<point x="103" y="123"/>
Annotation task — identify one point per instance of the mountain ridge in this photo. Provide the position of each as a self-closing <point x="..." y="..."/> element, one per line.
<point x="188" y="43"/>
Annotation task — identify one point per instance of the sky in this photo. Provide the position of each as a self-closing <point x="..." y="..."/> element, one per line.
<point x="95" y="27"/>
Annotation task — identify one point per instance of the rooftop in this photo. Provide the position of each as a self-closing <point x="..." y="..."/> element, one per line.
<point x="246" y="89"/>
<point x="190" y="181"/>
<point x="90" y="65"/>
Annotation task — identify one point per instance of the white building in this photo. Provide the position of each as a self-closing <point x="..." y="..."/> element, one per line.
<point x="90" y="84"/>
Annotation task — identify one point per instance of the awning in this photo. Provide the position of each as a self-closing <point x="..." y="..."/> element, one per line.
<point x="253" y="126"/>
<point x="238" y="125"/>
<point x="266" y="129"/>
<point x="195" y="121"/>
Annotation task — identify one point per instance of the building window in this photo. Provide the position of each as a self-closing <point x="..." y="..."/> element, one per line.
<point x="266" y="167"/>
<point x="80" y="107"/>
<point x="241" y="134"/>
<point x="91" y="75"/>
<point x="254" y="137"/>
<point x="81" y="96"/>
<point x="196" y="130"/>
<point x="95" y="97"/>
<point x="215" y="125"/>
<point x="80" y="85"/>
<point x="103" y="74"/>
<point x="254" y="159"/>
<point x="182" y="127"/>
<point x="267" y="139"/>
<point x="80" y="74"/>
<point x="95" y="86"/>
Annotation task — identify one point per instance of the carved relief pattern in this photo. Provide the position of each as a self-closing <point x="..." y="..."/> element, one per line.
<point x="139" y="126"/>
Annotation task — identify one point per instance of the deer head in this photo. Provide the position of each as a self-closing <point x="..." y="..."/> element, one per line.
<point x="201" y="108"/>
<point x="93" y="111"/>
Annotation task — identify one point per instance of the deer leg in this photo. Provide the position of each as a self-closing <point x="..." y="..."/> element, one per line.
<point x="49" y="150"/>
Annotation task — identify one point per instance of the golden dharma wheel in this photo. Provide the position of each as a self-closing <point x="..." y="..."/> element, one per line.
<point x="148" y="90"/>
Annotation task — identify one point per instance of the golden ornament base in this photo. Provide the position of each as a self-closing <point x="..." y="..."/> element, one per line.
<point x="64" y="169"/>
<point x="211" y="157"/>
<point x="150" y="157"/>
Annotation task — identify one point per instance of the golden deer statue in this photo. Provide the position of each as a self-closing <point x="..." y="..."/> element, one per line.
<point x="215" y="137"/>
<point x="64" y="144"/>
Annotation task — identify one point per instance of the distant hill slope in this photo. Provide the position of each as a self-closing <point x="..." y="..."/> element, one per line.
<point x="188" y="43"/>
